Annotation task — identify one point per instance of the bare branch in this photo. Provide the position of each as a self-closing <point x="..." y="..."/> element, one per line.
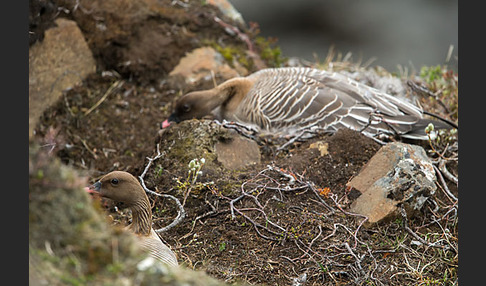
<point x="181" y="213"/>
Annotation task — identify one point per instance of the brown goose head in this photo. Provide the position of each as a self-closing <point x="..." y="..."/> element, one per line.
<point x="214" y="103"/>
<point x="195" y="105"/>
<point x="120" y="187"/>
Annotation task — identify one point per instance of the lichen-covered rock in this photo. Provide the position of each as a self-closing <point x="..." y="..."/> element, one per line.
<point x="398" y="174"/>
<point x="219" y="146"/>
<point x="192" y="139"/>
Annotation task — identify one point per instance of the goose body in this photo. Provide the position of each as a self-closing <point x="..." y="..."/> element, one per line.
<point x="123" y="187"/>
<point x="285" y="101"/>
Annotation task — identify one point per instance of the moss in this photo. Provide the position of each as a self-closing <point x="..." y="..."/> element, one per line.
<point x="442" y="82"/>
<point x="193" y="139"/>
<point x="233" y="54"/>
<point x="266" y="48"/>
<point x="230" y="187"/>
<point x="269" y="52"/>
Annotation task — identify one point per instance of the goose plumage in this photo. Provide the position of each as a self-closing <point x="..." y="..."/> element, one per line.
<point x="124" y="188"/>
<point x="284" y="101"/>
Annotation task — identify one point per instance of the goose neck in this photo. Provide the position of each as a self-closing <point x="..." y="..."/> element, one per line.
<point x="141" y="217"/>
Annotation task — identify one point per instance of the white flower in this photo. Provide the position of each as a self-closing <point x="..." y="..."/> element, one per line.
<point x="429" y="128"/>
<point x="192" y="164"/>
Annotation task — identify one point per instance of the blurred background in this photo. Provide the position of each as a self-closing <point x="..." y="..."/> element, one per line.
<point x="409" y="33"/>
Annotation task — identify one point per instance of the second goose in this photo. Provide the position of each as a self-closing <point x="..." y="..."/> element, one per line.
<point x="285" y="101"/>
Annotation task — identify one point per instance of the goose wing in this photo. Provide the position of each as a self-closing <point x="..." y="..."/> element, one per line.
<point x="297" y="98"/>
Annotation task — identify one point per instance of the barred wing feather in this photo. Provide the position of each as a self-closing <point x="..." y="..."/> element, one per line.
<point x="296" y="98"/>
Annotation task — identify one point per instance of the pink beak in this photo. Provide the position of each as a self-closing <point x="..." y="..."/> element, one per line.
<point x="91" y="191"/>
<point x="165" y="124"/>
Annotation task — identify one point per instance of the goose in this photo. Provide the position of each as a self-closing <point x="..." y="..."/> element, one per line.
<point x="124" y="188"/>
<point x="285" y="101"/>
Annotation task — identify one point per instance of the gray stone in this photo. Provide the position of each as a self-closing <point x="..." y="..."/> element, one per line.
<point x="237" y="153"/>
<point x="397" y="174"/>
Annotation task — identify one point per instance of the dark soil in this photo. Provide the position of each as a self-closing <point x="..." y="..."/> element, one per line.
<point x="278" y="228"/>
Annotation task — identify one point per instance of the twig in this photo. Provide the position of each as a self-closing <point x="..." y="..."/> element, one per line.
<point x="232" y="207"/>
<point x="422" y="90"/>
<point x="87" y="147"/>
<point x="116" y="84"/>
<point x="416" y="236"/>
<point x="282" y="172"/>
<point x="244" y="130"/>
<point x="443" y="168"/>
<point x="181" y="214"/>
<point x="353" y="254"/>
<point x="233" y="29"/>
<point x="317" y="236"/>
<point x="365" y="218"/>
<point x="445" y="188"/>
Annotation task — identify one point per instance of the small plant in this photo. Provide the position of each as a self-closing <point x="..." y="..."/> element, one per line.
<point x="440" y="139"/>
<point x="431" y="74"/>
<point x="195" y="170"/>
<point x="195" y="166"/>
<point x="322" y="267"/>
<point x="158" y="171"/>
<point x="222" y="246"/>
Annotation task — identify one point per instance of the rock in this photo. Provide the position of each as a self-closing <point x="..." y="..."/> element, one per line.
<point x="145" y="39"/>
<point x="198" y="64"/>
<point x="193" y="139"/>
<point x="59" y="62"/>
<point x="237" y="153"/>
<point x="228" y="10"/>
<point x="397" y="174"/>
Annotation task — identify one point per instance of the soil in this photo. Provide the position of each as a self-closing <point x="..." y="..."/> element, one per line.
<point x="267" y="223"/>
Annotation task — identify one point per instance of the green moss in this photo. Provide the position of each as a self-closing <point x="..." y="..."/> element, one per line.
<point x="442" y="82"/>
<point x="269" y="52"/>
<point x="431" y="74"/>
<point x="230" y="187"/>
<point x="232" y="54"/>
<point x="193" y="139"/>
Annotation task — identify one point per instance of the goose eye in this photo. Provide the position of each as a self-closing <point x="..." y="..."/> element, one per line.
<point x="114" y="181"/>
